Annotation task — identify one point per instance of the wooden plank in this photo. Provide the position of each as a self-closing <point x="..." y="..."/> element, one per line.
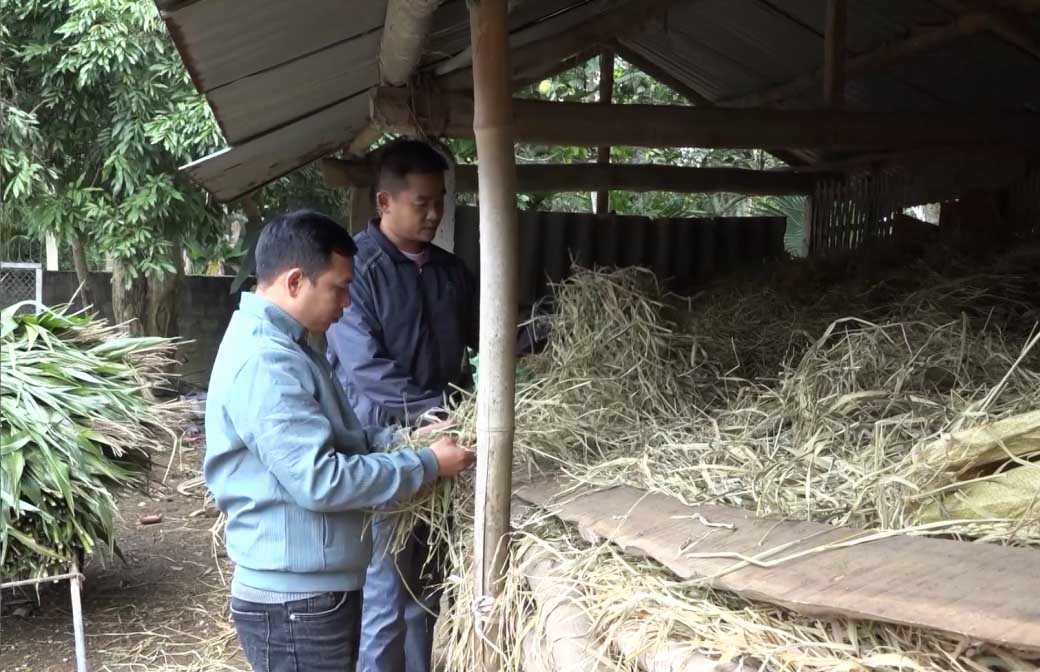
<point x="221" y="41"/>
<point x="593" y="176"/>
<point x="591" y="125"/>
<point x="231" y="172"/>
<point x="980" y="591"/>
<point x="258" y="103"/>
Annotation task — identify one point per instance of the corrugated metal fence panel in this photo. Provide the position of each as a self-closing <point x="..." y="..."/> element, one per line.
<point x="681" y="251"/>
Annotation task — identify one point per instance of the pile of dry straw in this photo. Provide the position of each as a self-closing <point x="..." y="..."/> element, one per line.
<point x="884" y="405"/>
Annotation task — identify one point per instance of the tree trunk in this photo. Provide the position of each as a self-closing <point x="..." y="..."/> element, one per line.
<point x="87" y="295"/>
<point x="129" y="298"/>
<point x="163" y="292"/>
<point x="148" y="303"/>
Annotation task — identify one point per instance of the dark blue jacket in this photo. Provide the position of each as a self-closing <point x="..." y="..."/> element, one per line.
<point x="401" y="344"/>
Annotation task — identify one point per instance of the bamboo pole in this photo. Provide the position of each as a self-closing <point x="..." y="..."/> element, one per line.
<point x="499" y="244"/>
<point x="606" y="97"/>
<point x="82" y="665"/>
<point x="834" y="54"/>
<point x="404" y="31"/>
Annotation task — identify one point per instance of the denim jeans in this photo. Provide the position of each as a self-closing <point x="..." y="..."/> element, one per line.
<point x="396" y="629"/>
<point x="318" y="634"/>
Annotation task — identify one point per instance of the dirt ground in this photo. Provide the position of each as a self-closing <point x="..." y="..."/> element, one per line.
<point x="165" y="609"/>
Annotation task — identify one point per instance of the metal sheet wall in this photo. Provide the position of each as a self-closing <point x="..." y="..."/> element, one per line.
<point x="683" y="252"/>
<point x="1024" y="203"/>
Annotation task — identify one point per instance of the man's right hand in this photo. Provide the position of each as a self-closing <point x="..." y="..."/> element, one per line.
<point x="452" y="459"/>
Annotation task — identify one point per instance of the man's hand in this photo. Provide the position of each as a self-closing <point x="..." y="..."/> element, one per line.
<point x="452" y="459"/>
<point x="438" y="426"/>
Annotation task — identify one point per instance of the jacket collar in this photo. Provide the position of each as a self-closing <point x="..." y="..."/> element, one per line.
<point x="261" y="308"/>
<point x="391" y="249"/>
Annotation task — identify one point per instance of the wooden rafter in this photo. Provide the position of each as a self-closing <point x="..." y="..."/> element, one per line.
<point x="1003" y="23"/>
<point x="788" y="156"/>
<point x="886" y="55"/>
<point x="592" y="125"/>
<point x="360" y="173"/>
<point x="544" y="45"/>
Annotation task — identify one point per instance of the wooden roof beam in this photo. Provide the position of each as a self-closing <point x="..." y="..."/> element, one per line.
<point x="1003" y="23"/>
<point x="361" y="173"/>
<point x="404" y="32"/>
<point x="791" y="157"/>
<point x="877" y="59"/>
<point x="593" y="125"/>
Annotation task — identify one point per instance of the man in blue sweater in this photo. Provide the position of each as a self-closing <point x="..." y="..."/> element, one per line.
<point x="289" y="463"/>
<point x="399" y="350"/>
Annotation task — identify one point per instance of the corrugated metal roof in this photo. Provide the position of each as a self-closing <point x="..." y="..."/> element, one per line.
<point x="286" y="80"/>
<point x="729" y="48"/>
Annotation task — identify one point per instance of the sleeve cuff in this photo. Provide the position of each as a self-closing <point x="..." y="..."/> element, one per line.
<point x="430" y="466"/>
<point x="384" y="438"/>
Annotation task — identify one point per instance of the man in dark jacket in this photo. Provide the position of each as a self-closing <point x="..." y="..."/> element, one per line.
<point x="399" y="350"/>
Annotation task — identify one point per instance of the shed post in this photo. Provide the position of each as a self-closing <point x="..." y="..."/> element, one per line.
<point x="606" y="97"/>
<point x="834" y="54"/>
<point x="499" y="245"/>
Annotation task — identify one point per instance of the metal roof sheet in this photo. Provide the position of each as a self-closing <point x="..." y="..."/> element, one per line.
<point x="286" y="80"/>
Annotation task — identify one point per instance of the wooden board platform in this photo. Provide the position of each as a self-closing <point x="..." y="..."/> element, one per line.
<point x="979" y="591"/>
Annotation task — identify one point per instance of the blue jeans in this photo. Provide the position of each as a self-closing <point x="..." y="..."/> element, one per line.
<point x="397" y="630"/>
<point x="318" y="634"/>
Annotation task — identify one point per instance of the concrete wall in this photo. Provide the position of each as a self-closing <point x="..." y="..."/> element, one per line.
<point x="205" y="307"/>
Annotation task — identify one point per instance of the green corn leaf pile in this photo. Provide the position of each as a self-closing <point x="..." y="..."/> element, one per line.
<point x="78" y="423"/>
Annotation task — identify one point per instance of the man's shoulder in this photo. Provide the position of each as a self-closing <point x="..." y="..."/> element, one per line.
<point x="369" y="252"/>
<point x="250" y="343"/>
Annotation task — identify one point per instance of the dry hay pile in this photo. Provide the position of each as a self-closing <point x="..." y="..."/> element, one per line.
<point x="859" y="428"/>
<point x="791" y="303"/>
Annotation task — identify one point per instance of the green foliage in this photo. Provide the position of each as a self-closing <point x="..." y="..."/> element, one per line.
<point x="104" y="113"/>
<point x="97" y="112"/>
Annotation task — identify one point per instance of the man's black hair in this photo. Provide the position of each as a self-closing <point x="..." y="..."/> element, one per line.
<point x="407" y="157"/>
<point x="302" y="239"/>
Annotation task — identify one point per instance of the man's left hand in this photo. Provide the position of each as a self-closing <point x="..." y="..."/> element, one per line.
<point x="433" y="427"/>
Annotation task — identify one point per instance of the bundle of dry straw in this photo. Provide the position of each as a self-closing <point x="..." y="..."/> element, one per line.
<point x="855" y="429"/>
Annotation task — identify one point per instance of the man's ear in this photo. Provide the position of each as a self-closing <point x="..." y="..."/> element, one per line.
<point x="293" y="281"/>
<point x="383" y="200"/>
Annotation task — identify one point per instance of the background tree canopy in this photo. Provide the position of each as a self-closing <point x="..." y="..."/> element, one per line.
<point x="96" y="114"/>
